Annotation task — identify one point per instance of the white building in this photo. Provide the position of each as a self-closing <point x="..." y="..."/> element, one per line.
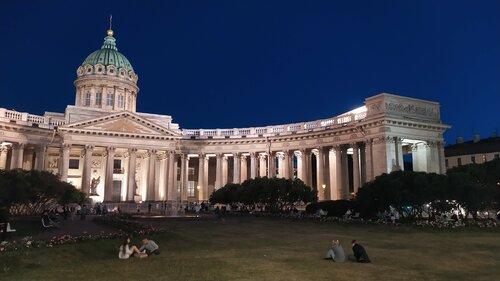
<point x="106" y="148"/>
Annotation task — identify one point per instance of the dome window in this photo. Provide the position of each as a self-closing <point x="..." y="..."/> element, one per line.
<point x="111" y="71"/>
<point x="99" y="69"/>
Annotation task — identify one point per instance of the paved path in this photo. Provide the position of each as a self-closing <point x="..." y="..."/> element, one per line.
<point x="75" y="227"/>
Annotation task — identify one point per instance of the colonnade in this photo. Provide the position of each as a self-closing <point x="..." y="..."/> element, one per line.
<point x="150" y="174"/>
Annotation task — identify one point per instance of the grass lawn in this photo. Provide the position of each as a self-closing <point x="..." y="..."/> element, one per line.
<point x="270" y="249"/>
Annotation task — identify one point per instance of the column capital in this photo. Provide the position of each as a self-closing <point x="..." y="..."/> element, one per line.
<point x="19" y="145"/>
<point x="243" y="157"/>
<point x="262" y="156"/>
<point x="110" y="149"/>
<point x="236" y="154"/>
<point x="132" y="150"/>
<point x="89" y="147"/>
<point x="219" y="155"/>
<point x="305" y="150"/>
<point x="253" y="154"/>
<point x="354" y="145"/>
<point x="201" y="155"/>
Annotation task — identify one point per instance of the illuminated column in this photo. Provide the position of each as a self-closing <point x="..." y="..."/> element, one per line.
<point x="355" y="167"/>
<point x="300" y="171"/>
<point x="64" y="161"/>
<point x="326" y="172"/>
<point x="305" y="159"/>
<point x="108" y="184"/>
<point x="150" y="190"/>
<point x="320" y="176"/>
<point x="3" y="157"/>
<point x="236" y="167"/>
<point x="244" y="168"/>
<point x="288" y="164"/>
<point x="224" y="170"/>
<point x="131" y="174"/>
<point x="368" y="160"/>
<point x="218" y="171"/>
<point x="41" y="151"/>
<point x="18" y="156"/>
<point x="253" y="165"/>
<point x="202" y="195"/>
<point x="87" y="167"/>
<point x="338" y="170"/>
<point x="281" y="164"/>
<point x="272" y="164"/>
<point x="345" y="174"/>
<point x="262" y="165"/>
<point x="172" y="173"/>
<point x="205" y="178"/>
<point x="184" y="176"/>
<point x="164" y="176"/>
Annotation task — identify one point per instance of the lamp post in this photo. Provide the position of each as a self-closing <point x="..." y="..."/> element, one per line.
<point x="324" y="189"/>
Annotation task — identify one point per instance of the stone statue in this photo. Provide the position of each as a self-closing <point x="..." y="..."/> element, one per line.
<point x="93" y="185"/>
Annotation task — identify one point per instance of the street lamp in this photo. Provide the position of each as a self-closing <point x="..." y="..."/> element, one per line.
<point x="324" y="190"/>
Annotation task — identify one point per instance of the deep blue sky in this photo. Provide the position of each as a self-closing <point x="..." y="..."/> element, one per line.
<point x="250" y="63"/>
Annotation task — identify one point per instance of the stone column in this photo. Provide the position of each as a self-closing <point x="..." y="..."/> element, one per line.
<point x="281" y="164"/>
<point x="184" y="176"/>
<point x="362" y="164"/>
<point x="253" y="165"/>
<point x="345" y="174"/>
<point x="244" y="169"/>
<point x="368" y="160"/>
<point x="131" y="185"/>
<point x="442" y="163"/>
<point x="262" y="165"/>
<point x="172" y="173"/>
<point x="28" y="159"/>
<point x="339" y="176"/>
<point x="175" y="186"/>
<point x="326" y="172"/>
<point x="150" y="190"/>
<point x="218" y="171"/>
<point x="18" y="156"/>
<point x="3" y="157"/>
<point x="64" y="161"/>
<point x="398" y="154"/>
<point x="355" y="167"/>
<point x="201" y="177"/>
<point x="300" y="171"/>
<point x="224" y="170"/>
<point x="288" y="164"/>
<point x="87" y="168"/>
<point x="236" y="167"/>
<point x="206" y="191"/>
<point x="320" y="175"/>
<point x="41" y="151"/>
<point x="108" y="183"/>
<point x="164" y="176"/>
<point x="305" y="166"/>
<point x="272" y="164"/>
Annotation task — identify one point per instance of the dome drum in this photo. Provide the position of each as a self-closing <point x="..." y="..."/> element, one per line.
<point x="109" y="70"/>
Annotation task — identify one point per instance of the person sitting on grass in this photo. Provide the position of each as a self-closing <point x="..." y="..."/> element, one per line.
<point x="126" y="251"/>
<point x="150" y="247"/>
<point x="360" y="254"/>
<point x="336" y="252"/>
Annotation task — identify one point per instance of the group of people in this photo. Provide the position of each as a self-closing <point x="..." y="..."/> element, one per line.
<point x="337" y="254"/>
<point x="148" y="248"/>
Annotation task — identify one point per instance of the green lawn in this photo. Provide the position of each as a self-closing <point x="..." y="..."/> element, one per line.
<point x="271" y="249"/>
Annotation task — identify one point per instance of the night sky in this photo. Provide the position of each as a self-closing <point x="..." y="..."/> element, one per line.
<point x="249" y="63"/>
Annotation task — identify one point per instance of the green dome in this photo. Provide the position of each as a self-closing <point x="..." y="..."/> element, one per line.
<point x="108" y="55"/>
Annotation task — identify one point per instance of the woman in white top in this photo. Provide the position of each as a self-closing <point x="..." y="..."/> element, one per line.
<point x="126" y="251"/>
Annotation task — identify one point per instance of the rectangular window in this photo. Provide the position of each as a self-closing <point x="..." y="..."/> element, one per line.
<point x="87" y="99"/>
<point x="473" y="159"/>
<point x="117" y="164"/>
<point x="110" y="99"/>
<point x="98" y="98"/>
<point x="74" y="164"/>
<point x="190" y="189"/>
<point x="120" y="101"/>
<point x="191" y="171"/>
<point x="459" y="161"/>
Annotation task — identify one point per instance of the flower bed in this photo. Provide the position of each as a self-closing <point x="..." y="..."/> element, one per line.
<point x="125" y="228"/>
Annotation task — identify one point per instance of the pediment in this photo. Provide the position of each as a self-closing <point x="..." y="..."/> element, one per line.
<point x="123" y="122"/>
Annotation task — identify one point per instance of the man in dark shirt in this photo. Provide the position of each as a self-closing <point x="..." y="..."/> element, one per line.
<point x="359" y="252"/>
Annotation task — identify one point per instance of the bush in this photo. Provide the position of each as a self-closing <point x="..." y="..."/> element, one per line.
<point x="335" y="208"/>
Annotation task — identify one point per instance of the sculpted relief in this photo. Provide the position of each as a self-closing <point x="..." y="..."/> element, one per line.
<point x="413" y="109"/>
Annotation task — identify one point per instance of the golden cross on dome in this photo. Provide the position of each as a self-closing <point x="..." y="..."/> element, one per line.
<point x="110" y="31"/>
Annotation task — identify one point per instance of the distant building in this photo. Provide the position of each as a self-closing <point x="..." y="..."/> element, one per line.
<point x="476" y="150"/>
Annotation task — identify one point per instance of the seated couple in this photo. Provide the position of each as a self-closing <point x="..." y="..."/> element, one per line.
<point x="337" y="254"/>
<point x="149" y="247"/>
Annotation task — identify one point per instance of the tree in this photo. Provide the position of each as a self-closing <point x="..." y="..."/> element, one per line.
<point x="30" y="192"/>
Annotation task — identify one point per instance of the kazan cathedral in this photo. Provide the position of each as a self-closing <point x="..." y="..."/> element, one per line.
<point x="104" y="147"/>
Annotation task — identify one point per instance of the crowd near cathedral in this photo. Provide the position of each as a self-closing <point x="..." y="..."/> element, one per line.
<point x="104" y="147"/>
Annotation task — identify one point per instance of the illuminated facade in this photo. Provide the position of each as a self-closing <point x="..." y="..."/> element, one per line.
<point x="106" y="148"/>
